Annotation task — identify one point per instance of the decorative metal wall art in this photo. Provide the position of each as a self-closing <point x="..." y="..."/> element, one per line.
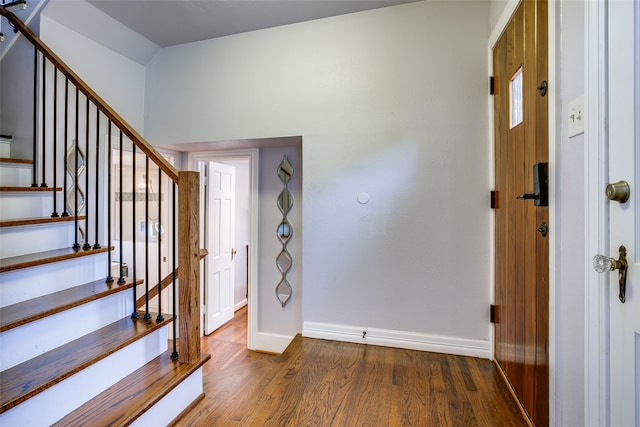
<point x="284" y="232"/>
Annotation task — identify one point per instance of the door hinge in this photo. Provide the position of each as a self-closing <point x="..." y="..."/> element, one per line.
<point x="492" y="313"/>
<point x="493" y="199"/>
<point x="491" y="86"/>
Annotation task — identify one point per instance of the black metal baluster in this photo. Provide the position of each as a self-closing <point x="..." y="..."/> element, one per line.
<point x="44" y="122"/>
<point x="174" y="309"/>
<point x="65" y="212"/>
<point x="76" y="245"/>
<point x="86" y="245"/>
<point x="121" y="279"/>
<point x="97" y="245"/>
<point x="158" y="229"/>
<point x="55" y="214"/>
<point x="34" y="178"/>
<point x="147" y="316"/>
<point x="109" y="166"/>
<point x="135" y="313"/>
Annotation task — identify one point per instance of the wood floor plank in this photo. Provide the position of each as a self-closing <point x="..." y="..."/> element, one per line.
<point x="47" y="257"/>
<point x="328" y="383"/>
<point x="128" y="399"/>
<point x="24" y="312"/>
<point x="27" y="379"/>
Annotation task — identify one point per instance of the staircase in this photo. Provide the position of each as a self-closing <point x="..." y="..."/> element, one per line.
<point x="74" y="348"/>
<point x="71" y="354"/>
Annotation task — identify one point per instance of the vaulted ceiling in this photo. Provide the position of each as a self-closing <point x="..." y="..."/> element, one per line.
<point x="174" y="22"/>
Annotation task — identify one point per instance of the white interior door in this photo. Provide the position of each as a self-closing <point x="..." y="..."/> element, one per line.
<point x="624" y="218"/>
<point x="218" y="231"/>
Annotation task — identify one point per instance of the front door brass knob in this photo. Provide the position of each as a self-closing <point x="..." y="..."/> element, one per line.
<point x="618" y="191"/>
<point x="602" y="263"/>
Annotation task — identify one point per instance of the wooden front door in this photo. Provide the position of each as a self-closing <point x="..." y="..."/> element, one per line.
<point x="522" y="251"/>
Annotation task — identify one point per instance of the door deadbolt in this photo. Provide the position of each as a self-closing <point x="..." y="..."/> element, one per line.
<point x="543" y="229"/>
<point x="602" y="263"/>
<point x="618" y="191"/>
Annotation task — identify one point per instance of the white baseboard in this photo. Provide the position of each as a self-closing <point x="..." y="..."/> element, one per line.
<point x="399" y="339"/>
<point x="239" y="305"/>
<point x="272" y="343"/>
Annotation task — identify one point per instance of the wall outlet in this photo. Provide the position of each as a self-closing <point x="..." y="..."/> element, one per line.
<point x="576" y="117"/>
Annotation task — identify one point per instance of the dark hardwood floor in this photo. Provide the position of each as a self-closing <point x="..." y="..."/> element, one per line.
<point x="328" y="383"/>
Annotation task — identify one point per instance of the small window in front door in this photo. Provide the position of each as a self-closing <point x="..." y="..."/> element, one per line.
<point x="515" y="99"/>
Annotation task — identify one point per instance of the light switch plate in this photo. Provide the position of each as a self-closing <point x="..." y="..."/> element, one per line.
<point x="576" y="117"/>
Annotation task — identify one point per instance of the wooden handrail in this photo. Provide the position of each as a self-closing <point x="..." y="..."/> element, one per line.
<point x="126" y="129"/>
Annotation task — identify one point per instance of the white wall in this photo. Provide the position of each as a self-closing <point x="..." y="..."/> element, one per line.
<point x="118" y="80"/>
<point x="391" y="102"/>
<point x="272" y="317"/>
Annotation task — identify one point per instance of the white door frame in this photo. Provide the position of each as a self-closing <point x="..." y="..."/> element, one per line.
<point x="252" y="155"/>
<point x="596" y="386"/>
<point x="496" y="32"/>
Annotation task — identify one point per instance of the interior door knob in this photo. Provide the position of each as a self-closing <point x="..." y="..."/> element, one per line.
<point x="602" y="263"/>
<point x="618" y="191"/>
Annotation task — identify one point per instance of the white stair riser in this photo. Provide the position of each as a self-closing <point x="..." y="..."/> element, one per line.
<point x="28" y="283"/>
<point x="35" y="338"/>
<point x="28" y="204"/>
<point x="5" y="147"/>
<point x="15" y="175"/>
<point x="29" y="239"/>
<point x="54" y="403"/>
<point x="170" y="406"/>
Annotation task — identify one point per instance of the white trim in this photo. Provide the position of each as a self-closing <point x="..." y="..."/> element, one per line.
<point x="509" y="9"/>
<point x="553" y="137"/>
<point x="398" y="339"/>
<point x="254" y="162"/>
<point x="239" y="305"/>
<point x="271" y="343"/>
<point x="596" y="384"/>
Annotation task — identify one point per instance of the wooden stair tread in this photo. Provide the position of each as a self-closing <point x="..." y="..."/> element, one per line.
<point x="125" y="401"/>
<point x="40" y="258"/>
<point x="16" y="161"/>
<point x="29" y="378"/>
<point x="30" y="189"/>
<point x="38" y="220"/>
<point x="24" y="312"/>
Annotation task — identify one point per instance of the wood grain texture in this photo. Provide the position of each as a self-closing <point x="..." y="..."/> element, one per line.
<point x="36" y="221"/>
<point x="24" y="312"/>
<point x="47" y="257"/>
<point x="329" y="383"/>
<point x="16" y="161"/>
<point x="27" y="379"/>
<point x="125" y="401"/>
<point x="30" y="189"/>
<point x="522" y="254"/>
<point x="189" y="262"/>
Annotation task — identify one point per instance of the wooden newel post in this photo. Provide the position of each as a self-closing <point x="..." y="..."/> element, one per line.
<point x="189" y="270"/>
